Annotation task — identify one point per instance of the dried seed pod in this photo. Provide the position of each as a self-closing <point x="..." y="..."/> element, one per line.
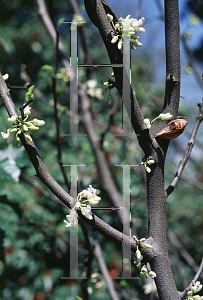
<point x="173" y="129"/>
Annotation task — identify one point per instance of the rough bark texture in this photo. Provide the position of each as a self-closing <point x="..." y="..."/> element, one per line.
<point x="156" y="194"/>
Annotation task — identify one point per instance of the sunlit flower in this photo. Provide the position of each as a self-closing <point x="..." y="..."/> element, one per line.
<point x="86" y="212"/>
<point x="12" y="119"/>
<point x="8" y="136"/>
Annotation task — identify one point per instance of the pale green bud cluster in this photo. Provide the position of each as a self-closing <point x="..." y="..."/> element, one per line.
<point x="21" y="126"/>
<point x="88" y="195"/>
<point x="125" y="29"/>
<point x="146" y="272"/>
<point x="147" y="164"/>
<point x="194" y="289"/>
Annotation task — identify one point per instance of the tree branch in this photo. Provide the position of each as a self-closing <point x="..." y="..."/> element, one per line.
<point x="188" y="151"/>
<point x="184" y="293"/>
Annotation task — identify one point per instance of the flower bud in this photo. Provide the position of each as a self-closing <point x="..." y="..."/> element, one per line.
<point x="166" y="116"/>
<point x="28" y="137"/>
<point x="12" y="119"/>
<point x="38" y="122"/>
<point x="109" y="17"/>
<point x="147" y="245"/>
<point x="147" y="123"/>
<point x="5" y="77"/>
<point x="138" y="254"/>
<point x="152" y="274"/>
<point x="148" y="169"/>
<point x="190" y="293"/>
<point x="114" y="39"/>
<point x="135" y="238"/>
<point x="197" y="297"/>
<point x="120" y="44"/>
<point x="150" y="162"/>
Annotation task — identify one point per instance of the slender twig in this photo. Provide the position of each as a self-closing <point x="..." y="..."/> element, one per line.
<point x="188" y="151"/>
<point x="99" y="256"/>
<point x="110" y="121"/>
<point x="197" y="275"/>
<point x="17" y="87"/>
<point x="191" y="60"/>
<point x="185" y="255"/>
<point x="56" y="117"/>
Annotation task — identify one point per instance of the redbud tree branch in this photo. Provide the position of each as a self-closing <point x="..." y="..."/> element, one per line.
<point x="156" y="195"/>
<point x="42" y="173"/>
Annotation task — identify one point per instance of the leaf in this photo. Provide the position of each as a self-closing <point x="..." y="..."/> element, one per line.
<point x="11" y="162"/>
<point x="60" y="21"/>
<point x="48" y="68"/>
<point x="79" y="298"/>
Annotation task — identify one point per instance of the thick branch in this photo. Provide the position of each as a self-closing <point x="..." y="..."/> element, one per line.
<point x="42" y="173"/>
<point x="96" y="12"/>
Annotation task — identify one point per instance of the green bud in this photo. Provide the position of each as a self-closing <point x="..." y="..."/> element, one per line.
<point x="147" y="245"/>
<point x="28" y="137"/>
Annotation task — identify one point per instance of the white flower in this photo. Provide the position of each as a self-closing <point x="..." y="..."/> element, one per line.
<point x="91" y="84"/>
<point x="5" y="77"/>
<point x="8" y="136"/>
<point x="86" y="212"/>
<point x="147" y="123"/>
<point x="72" y="218"/>
<point x="92" y="197"/>
<point x="109" y="17"/>
<point x="197" y="287"/>
<point x="38" y="122"/>
<point x="166" y="116"/>
<point x="12" y="119"/>
<point x="27" y="110"/>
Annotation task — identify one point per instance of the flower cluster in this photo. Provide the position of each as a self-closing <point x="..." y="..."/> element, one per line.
<point x="166" y="116"/>
<point x="92" y="90"/>
<point x="125" y="29"/>
<point x="88" y="195"/>
<point x="195" y="289"/>
<point x="147" y="163"/>
<point x="19" y="123"/>
<point x="21" y="126"/>
<point x="144" y="269"/>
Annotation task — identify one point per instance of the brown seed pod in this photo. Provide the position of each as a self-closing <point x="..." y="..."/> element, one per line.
<point x="173" y="129"/>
